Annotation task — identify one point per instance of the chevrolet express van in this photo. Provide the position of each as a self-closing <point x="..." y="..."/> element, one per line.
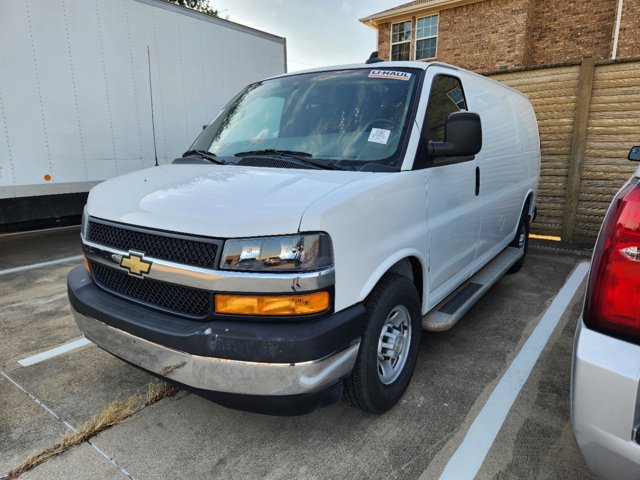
<point x="297" y="250"/>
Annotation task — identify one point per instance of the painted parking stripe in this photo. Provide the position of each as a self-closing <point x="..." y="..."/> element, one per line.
<point x="32" y="397"/>
<point x="468" y="458"/>
<point x="53" y="414"/>
<point x="40" y="265"/>
<point x="40" y="230"/>
<point x="54" y="352"/>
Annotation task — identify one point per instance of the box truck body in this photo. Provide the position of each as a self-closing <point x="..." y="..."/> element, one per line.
<point x="77" y="80"/>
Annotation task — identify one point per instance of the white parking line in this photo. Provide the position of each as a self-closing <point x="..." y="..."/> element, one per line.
<point x="30" y="233"/>
<point x="54" y="352"/>
<point x="101" y="452"/>
<point x="468" y="458"/>
<point x="39" y="265"/>
<point x="46" y="409"/>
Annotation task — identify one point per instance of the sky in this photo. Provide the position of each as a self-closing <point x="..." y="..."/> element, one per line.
<point x="318" y="32"/>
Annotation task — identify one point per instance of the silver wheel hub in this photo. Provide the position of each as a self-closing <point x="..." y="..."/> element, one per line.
<point x="393" y="344"/>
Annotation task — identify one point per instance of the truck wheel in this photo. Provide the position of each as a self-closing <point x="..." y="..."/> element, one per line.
<point x="389" y="347"/>
<point x="521" y="241"/>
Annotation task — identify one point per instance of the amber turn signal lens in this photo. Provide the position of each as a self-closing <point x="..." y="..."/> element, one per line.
<point x="273" y="305"/>
<point x="86" y="263"/>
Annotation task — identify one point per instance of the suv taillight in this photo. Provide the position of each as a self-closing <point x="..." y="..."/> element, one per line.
<point x="612" y="303"/>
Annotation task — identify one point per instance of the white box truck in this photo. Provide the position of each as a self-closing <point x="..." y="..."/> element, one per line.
<point x="311" y="232"/>
<point x="75" y="85"/>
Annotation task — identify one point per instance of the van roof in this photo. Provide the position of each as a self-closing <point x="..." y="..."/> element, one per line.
<point x="395" y="64"/>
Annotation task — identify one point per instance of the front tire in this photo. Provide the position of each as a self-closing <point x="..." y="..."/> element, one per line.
<point x="389" y="347"/>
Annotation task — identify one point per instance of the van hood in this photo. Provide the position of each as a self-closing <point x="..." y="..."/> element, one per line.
<point x="222" y="201"/>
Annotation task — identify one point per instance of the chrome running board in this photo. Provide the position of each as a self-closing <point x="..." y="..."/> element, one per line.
<point x="447" y="313"/>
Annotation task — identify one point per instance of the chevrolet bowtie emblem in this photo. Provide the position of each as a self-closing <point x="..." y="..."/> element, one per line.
<point x="135" y="263"/>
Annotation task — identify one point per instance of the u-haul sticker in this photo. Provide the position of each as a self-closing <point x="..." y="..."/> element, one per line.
<point x="389" y="74"/>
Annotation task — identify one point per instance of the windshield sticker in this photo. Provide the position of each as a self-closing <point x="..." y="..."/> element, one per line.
<point x="379" y="135"/>
<point x="389" y="74"/>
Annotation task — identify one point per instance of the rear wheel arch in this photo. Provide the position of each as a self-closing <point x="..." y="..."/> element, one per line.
<point x="521" y="238"/>
<point x="528" y="205"/>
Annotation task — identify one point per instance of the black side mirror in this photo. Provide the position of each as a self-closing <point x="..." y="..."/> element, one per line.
<point x="462" y="136"/>
<point x="204" y="127"/>
<point x="634" y="154"/>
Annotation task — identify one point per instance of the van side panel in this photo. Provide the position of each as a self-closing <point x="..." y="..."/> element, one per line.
<point x="530" y="140"/>
<point x="508" y="162"/>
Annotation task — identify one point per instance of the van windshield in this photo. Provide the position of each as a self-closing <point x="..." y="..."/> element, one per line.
<point x="347" y="119"/>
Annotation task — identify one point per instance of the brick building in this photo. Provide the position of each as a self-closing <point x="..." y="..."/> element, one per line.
<point x="491" y="35"/>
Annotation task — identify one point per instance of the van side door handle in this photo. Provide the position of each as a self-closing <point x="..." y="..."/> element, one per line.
<point x="477" y="181"/>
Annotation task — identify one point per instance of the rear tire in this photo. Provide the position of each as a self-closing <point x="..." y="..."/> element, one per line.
<point x="521" y="240"/>
<point x="389" y="348"/>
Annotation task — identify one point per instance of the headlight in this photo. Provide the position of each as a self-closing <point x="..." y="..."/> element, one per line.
<point x="290" y="253"/>
<point x="84" y="229"/>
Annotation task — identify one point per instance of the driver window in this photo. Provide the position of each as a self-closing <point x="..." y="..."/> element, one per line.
<point x="445" y="98"/>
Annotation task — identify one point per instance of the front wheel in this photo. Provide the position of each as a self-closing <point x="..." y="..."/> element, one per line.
<point x="389" y="347"/>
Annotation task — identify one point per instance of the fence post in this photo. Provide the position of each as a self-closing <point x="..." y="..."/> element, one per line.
<point x="578" y="144"/>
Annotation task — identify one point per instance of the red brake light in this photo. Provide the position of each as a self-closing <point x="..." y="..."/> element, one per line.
<point x="613" y="295"/>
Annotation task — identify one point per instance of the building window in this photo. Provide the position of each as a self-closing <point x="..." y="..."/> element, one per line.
<point x="401" y="40"/>
<point x="426" y="37"/>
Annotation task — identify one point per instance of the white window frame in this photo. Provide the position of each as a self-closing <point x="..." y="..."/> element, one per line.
<point x="392" y="43"/>
<point x="415" y="38"/>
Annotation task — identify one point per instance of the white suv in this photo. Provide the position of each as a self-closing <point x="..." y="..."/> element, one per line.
<point x="314" y="228"/>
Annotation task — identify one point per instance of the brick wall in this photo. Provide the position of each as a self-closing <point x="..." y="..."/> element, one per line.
<point x="384" y="41"/>
<point x="572" y="29"/>
<point x="484" y="36"/>
<point x="629" y="37"/>
<point x="492" y="35"/>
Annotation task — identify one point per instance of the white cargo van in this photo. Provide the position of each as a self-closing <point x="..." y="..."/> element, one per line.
<point x="314" y="228"/>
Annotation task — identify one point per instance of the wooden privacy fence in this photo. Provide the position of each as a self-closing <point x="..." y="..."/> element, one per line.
<point x="589" y="117"/>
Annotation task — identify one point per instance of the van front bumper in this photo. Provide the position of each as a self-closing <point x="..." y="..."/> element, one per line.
<point x="237" y="357"/>
<point x="220" y="374"/>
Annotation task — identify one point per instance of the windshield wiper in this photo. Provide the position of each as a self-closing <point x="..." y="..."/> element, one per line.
<point x="273" y="151"/>
<point x="290" y="155"/>
<point x="212" y="157"/>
